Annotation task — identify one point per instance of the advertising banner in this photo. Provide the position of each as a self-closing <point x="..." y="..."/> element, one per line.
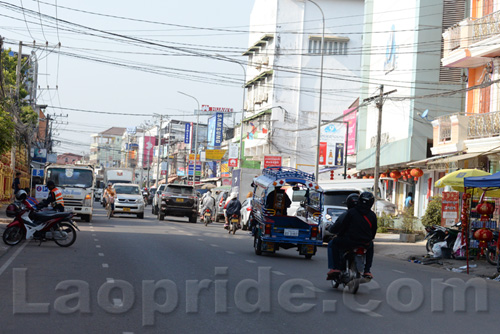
<point x="148" y="151"/>
<point x="214" y="154"/>
<point x="339" y="154"/>
<point x="351" y="137"/>
<point x="233" y="162"/>
<point x="187" y="133"/>
<point x="330" y="135"/>
<point x="322" y="153"/>
<point x="449" y="208"/>
<point x="233" y="151"/>
<point x="272" y="161"/>
<point x="215" y="128"/>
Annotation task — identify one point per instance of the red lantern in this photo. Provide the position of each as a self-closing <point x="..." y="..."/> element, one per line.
<point x="483" y="235"/>
<point x="485" y="209"/>
<point x="365" y="177"/>
<point x="416" y="173"/>
<point x="371" y="177"/>
<point x="395" y="175"/>
<point x="383" y="175"/>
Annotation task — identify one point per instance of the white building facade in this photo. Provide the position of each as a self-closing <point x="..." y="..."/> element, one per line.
<point x="283" y="75"/>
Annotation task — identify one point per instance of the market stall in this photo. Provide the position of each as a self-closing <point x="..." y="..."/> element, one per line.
<point x="479" y="228"/>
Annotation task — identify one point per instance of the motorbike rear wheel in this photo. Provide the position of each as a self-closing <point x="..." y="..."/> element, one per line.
<point x="430" y="243"/>
<point x="353" y="285"/>
<point x="70" y="234"/>
<point x="491" y="257"/>
<point x="13" y="235"/>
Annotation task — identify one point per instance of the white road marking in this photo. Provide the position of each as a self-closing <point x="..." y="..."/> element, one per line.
<point x="9" y="261"/>
<point x="214" y="245"/>
<point x="251" y="261"/>
<point x="368" y="312"/>
<point x="105" y="265"/>
<point x="128" y="333"/>
<point x="110" y="280"/>
<point x="101" y="254"/>
<point x="200" y="240"/>
<point x="279" y="273"/>
<point x="96" y="239"/>
<point x="315" y="289"/>
<point x="230" y="252"/>
<point x="97" y="246"/>
<point x="398" y="271"/>
<point x="93" y="234"/>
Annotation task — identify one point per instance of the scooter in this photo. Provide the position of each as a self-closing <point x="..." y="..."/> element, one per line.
<point x="438" y="233"/>
<point x="206" y="217"/>
<point x="39" y="225"/>
<point x="234" y="224"/>
<point x="353" y="263"/>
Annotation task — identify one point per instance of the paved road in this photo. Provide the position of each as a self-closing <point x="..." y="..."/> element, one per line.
<point x="129" y="275"/>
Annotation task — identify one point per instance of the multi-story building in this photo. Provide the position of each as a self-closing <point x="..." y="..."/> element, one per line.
<point x="284" y="76"/>
<point x="68" y="158"/>
<point x="106" y="147"/>
<point x="402" y="51"/>
<point x="471" y="135"/>
<point x="130" y="147"/>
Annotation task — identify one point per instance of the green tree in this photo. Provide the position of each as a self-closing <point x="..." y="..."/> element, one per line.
<point x="432" y="214"/>
<point x="17" y="119"/>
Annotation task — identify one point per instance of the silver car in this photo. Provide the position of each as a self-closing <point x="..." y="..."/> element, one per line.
<point x="129" y="199"/>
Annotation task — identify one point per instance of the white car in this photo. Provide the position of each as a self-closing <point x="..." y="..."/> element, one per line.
<point x="129" y="199"/>
<point x="246" y="209"/>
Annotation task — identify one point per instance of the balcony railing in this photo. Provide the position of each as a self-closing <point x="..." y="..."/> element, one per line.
<point x="486" y="26"/>
<point x="444" y="128"/>
<point x="483" y="125"/>
<point x="454" y="37"/>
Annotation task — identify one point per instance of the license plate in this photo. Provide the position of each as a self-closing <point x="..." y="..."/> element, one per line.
<point x="308" y="249"/>
<point x="179" y="199"/>
<point x="291" y="233"/>
<point x="126" y="209"/>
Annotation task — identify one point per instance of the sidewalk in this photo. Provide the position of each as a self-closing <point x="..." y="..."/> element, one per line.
<point x="388" y="245"/>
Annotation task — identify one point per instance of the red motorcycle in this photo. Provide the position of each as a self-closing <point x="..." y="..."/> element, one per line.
<point x="39" y="225"/>
<point x="206" y="217"/>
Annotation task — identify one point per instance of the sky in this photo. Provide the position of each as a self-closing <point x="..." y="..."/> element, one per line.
<point x="129" y="58"/>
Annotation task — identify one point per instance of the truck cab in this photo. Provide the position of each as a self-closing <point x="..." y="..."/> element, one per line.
<point x="76" y="183"/>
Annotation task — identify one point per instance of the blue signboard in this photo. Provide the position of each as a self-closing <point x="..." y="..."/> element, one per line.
<point x="187" y="133"/>
<point x="215" y="128"/>
<point x="37" y="172"/>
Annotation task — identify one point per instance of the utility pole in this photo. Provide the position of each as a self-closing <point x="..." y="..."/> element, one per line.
<point x="380" y="105"/>
<point x="159" y="153"/>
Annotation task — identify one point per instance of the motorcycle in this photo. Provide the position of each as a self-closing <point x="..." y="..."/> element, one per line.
<point x="206" y="217"/>
<point x="234" y="223"/>
<point x="438" y="233"/>
<point x="39" y="225"/>
<point x="145" y="197"/>
<point x="491" y="250"/>
<point x="353" y="263"/>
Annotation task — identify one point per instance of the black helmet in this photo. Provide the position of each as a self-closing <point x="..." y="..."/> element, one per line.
<point x="352" y="200"/>
<point x="51" y="183"/>
<point x="366" y="199"/>
<point x="12" y="210"/>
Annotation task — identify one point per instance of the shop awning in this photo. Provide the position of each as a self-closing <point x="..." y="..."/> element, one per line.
<point x="456" y="158"/>
<point x="429" y="160"/>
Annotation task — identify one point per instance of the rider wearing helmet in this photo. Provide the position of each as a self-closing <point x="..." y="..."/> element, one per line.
<point x="110" y="196"/>
<point x="356" y="227"/>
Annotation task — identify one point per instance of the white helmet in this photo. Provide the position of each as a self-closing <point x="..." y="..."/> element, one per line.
<point x="21" y="195"/>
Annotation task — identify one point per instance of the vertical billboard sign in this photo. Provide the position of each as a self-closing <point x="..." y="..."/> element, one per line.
<point x="215" y="128"/>
<point x="187" y="133"/>
<point x="219" y="125"/>
<point x="350" y="118"/>
<point x="339" y="154"/>
<point x="148" y="150"/>
<point x="211" y="131"/>
<point x="449" y="208"/>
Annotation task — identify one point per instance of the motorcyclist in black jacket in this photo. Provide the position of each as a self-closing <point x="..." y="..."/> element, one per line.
<point x="356" y="227"/>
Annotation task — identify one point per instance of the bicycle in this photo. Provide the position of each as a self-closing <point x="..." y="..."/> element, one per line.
<point x="109" y="207"/>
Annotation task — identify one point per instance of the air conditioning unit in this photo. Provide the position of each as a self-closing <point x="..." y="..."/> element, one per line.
<point x="265" y="96"/>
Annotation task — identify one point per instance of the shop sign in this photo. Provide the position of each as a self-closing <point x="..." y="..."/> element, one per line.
<point x="450" y="208"/>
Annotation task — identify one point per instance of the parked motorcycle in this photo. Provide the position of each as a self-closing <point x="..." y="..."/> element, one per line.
<point x="353" y="264"/>
<point x="39" y="225"/>
<point x="491" y="250"/>
<point x="234" y="223"/>
<point x="206" y="217"/>
<point x="437" y="233"/>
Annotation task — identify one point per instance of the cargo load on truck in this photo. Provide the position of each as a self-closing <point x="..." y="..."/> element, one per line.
<point x="119" y="175"/>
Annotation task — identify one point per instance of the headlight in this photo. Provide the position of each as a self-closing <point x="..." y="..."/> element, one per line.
<point x="328" y="217"/>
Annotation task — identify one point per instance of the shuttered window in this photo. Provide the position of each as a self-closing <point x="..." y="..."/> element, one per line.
<point x="453" y="12"/>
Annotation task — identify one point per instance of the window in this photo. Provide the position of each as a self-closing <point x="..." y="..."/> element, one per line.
<point x="333" y="46"/>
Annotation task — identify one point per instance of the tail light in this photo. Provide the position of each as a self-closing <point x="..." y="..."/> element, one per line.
<point x="267" y="229"/>
<point x="314" y="232"/>
<point x="249" y="208"/>
<point x="360" y="251"/>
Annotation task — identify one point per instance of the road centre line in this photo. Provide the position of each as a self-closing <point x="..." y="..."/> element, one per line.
<point x="214" y="245"/>
<point x="97" y="246"/>
<point x="105" y="265"/>
<point x="101" y="254"/>
<point x="251" y="261"/>
<point x="230" y="252"/>
<point x="9" y="261"/>
<point x="398" y="271"/>
<point x="96" y="239"/>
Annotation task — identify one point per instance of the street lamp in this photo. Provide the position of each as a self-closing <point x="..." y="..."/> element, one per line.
<point x="196" y="134"/>
<point x="320" y="90"/>
<point x="243" y="106"/>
